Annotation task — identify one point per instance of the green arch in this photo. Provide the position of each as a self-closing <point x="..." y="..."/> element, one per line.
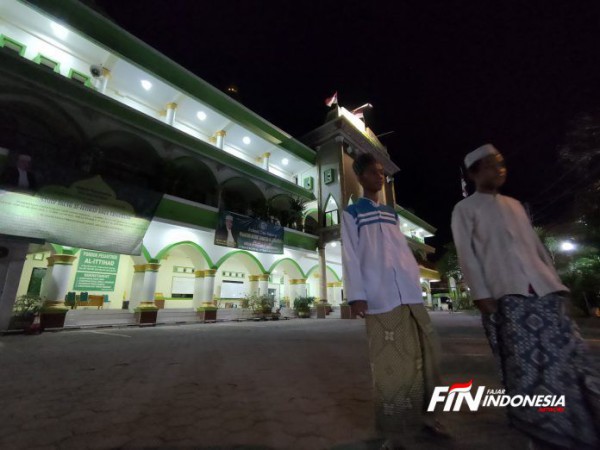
<point x="276" y="263"/>
<point x="237" y="252"/>
<point x="146" y="253"/>
<point x="316" y="266"/>
<point x="310" y="211"/>
<point x="170" y="247"/>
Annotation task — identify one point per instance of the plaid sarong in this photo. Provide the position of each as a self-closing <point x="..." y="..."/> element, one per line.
<point x="540" y="352"/>
<point x="404" y="352"/>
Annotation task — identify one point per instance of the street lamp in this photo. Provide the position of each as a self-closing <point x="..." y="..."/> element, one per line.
<point x="567" y="246"/>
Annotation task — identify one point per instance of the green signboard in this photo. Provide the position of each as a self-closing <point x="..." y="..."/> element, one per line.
<point x="96" y="271"/>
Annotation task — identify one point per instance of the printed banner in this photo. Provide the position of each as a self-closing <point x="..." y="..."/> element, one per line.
<point x="86" y="214"/>
<point x="243" y="232"/>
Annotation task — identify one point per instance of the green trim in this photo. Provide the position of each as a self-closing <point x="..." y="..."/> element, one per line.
<point x="106" y="33"/>
<point x="310" y="211"/>
<point x="4" y="39"/>
<point x="306" y="242"/>
<point x="293" y="261"/>
<point x="161" y="254"/>
<point x="146" y="253"/>
<point x="415" y="219"/>
<point x="58" y="249"/>
<point x="39" y="58"/>
<point x="316" y="266"/>
<point x="190" y="214"/>
<point x="145" y="308"/>
<point x="230" y="254"/>
<point x="87" y="80"/>
<point x="147" y="124"/>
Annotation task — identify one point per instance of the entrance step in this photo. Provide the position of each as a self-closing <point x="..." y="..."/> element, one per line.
<point x="179" y="315"/>
<point x="98" y="318"/>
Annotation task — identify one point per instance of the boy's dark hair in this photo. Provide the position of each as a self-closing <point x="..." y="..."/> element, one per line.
<point x="363" y="161"/>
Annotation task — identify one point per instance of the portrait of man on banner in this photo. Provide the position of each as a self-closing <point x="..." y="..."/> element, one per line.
<point x="226" y="233"/>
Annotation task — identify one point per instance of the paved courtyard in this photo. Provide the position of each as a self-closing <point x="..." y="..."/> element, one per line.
<point x="298" y="384"/>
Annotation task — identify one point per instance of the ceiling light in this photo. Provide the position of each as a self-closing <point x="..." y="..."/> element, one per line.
<point x="246" y="140"/>
<point x="146" y="85"/>
<point x="334" y="244"/>
<point x="201" y="115"/>
<point x="285" y="161"/>
<point x="59" y="30"/>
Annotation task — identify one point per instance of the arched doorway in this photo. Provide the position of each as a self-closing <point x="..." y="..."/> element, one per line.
<point x="188" y="177"/>
<point x="242" y="196"/>
<point x="239" y="274"/>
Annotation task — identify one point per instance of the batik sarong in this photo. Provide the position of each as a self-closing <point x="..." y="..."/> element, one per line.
<point x="540" y="352"/>
<point x="404" y="352"/>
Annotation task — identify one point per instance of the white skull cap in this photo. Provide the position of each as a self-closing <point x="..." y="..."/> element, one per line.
<point x="480" y="153"/>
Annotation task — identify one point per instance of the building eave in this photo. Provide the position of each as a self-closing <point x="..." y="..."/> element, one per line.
<point x="110" y="36"/>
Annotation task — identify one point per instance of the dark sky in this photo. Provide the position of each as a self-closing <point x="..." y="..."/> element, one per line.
<point x="445" y="76"/>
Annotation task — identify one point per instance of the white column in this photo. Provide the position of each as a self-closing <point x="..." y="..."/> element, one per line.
<point x="330" y="292"/>
<point x="337" y="293"/>
<point x="209" y="285"/>
<point x="323" y="278"/>
<point x="57" y="285"/>
<point x="12" y="259"/>
<point x="198" y="289"/>
<point x="263" y="284"/>
<point x="102" y="83"/>
<point x="149" y="285"/>
<point x="137" y="286"/>
<point x="220" y="138"/>
<point x="265" y="160"/>
<point x="170" y="115"/>
<point x="253" y="280"/>
<point x="47" y="282"/>
<point x="298" y="288"/>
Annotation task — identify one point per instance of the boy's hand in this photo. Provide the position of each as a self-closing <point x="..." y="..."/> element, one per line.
<point x="359" y="308"/>
<point x="487" y="305"/>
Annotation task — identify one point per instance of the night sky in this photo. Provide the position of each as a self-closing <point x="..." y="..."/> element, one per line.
<point x="445" y="76"/>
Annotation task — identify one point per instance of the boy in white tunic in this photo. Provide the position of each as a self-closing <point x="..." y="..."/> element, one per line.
<point x="381" y="279"/>
<point x="515" y="286"/>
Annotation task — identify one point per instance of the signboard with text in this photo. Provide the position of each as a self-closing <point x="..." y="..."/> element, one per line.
<point x="96" y="271"/>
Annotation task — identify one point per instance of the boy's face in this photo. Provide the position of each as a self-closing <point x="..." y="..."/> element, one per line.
<point x="491" y="173"/>
<point x="372" y="177"/>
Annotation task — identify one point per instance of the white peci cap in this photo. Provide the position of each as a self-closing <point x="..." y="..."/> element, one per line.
<point x="480" y="153"/>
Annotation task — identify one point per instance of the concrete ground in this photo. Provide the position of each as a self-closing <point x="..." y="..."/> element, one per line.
<point x="298" y="384"/>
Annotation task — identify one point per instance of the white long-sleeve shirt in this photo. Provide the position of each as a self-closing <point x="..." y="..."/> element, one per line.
<point x="498" y="250"/>
<point x="379" y="266"/>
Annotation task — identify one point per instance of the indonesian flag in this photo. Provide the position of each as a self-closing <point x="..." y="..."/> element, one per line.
<point x="331" y="100"/>
<point x="360" y="111"/>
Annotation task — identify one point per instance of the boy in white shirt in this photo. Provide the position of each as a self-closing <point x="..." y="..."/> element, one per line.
<point x="522" y="300"/>
<point x="382" y="284"/>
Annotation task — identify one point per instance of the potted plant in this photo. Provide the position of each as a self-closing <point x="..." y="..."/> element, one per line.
<point x="296" y="211"/>
<point x="207" y="312"/>
<point x="302" y="306"/>
<point x="261" y="305"/>
<point x="146" y="314"/>
<point x="25" y="309"/>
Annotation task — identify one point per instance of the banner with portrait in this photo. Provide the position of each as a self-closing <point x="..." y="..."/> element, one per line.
<point x="247" y="233"/>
